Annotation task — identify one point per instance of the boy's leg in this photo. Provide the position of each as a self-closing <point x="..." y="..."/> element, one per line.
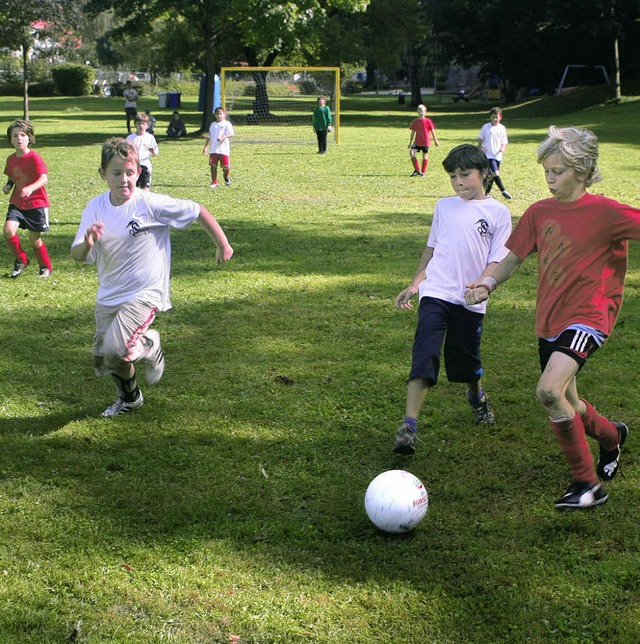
<point x="425" y="162"/>
<point x="414" y="161"/>
<point x="213" y="164"/>
<point x="10" y="232"/>
<point x="42" y="254"/>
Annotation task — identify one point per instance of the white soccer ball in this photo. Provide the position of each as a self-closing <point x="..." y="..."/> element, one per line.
<point x="396" y="501"/>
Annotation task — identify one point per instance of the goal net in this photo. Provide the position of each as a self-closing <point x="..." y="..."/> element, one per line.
<point x="275" y="104"/>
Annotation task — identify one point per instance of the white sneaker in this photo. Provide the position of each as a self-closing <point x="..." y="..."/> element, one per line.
<point x="154" y="360"/>
<point x="122" y="407"/>
<point x="213" y="185"/>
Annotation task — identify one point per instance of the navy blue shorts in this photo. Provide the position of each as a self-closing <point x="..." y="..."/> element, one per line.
<point x="459" y="330"/>
<point x="36" y="219"/>
<point x="577" y="344"/>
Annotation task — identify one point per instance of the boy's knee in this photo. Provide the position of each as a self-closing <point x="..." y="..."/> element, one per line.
<point x="547" y="396"/>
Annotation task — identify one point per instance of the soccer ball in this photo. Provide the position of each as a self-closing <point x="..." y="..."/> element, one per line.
<point x="396" y="501"/>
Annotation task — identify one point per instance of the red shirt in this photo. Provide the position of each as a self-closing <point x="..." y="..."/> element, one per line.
<point x="582" y="259"/>
<point x="423" y="128"/>
<point x="23" y="171"/>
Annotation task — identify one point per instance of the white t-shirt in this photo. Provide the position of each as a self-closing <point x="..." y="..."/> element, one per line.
<point x="134" y="255"/>
<point x="215" y="132"/>
<point x="465" y="235"/>
<point x="145" y="144"/>
<point x="130" y="97"/>
<point x="493" y="137"/>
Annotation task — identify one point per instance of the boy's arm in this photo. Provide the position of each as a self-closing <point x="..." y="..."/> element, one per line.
<point x="27" y="191"/>
<point x="403" y="301"/>
<point x="411" y="137"/>
<point x="206" y="145"/>
<point x="7" y="186"/>
<point x="435" y="137"/>
<point x="494" y="274"/>
<point x="208" y="223"/>
<point x="80" y="251"/>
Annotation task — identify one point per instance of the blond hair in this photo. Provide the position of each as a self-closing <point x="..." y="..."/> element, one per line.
<point x="118" y="147"/>
<point x="577" y="147"/>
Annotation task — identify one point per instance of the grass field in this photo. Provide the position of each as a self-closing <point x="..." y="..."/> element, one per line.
<point x="230" y="507"/>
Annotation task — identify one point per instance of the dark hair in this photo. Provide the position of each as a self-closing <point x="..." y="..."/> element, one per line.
<point x="23" y="126"/>
<point x="466" y="157"/>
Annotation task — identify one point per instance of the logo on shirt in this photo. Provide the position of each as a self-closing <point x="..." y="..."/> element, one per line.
<point x="482" y="226"/>
<point x="135" y="229"/>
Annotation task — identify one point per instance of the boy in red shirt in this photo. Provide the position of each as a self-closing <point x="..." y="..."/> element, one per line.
<point x="581" y="241"/>
<point x="29" y="203"/>
<point x="422" y="129"/>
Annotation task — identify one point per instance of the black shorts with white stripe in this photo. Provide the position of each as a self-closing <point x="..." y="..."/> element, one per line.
<point x="576" y="343"/>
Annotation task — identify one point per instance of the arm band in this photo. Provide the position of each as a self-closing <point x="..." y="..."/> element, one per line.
<point x="490" y="282"/>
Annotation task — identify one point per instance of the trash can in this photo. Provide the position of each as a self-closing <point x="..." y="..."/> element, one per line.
<point x="173" y="99"/>
<point x="163" y="100"/>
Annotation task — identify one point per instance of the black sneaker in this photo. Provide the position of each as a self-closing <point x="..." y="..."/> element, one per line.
<point x="405" y="440"/>
<point x="227" y="182"/>
<point x="482" y="410"/>
<point x="506" y="195"/>
<point x="18" y="268"/>
<point x="582" y="496"/>
<point x="609" y="461"/>
<point x="416" y="173"/>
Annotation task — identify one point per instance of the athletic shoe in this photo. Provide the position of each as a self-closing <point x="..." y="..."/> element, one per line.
<point x="482" y="410"/>
<point x="18" y="268"/>
<point x="154" y="360"/>
<point x="506" y="195"/>
<point x="609" y="461"/>
<point x="405" y="440"/>
<point x="44" y="272"/>
<point x="227" y="182"/>
<point x="416" y="173"/>
<point x="582" y="496"/>
<point x="121" y="406"/>
<point x="213" y="185"/>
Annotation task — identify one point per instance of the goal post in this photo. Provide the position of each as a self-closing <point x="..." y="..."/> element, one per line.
<point x="275" y="104"/>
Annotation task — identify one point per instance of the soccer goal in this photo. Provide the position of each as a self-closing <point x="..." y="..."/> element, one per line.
<point x="275" y="104"/>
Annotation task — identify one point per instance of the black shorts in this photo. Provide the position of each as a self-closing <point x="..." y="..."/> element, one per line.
<point x="421" y="148"/>
<point x="36" y="219"/>
<point x="459" y="330"/>
<point x="577" y="344"/>
<point x="494" y="166"/>
<point x="144" y="180"/>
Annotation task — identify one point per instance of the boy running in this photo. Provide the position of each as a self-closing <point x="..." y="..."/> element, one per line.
<point x="467" y="235"/>
<point x="125" y="231"/>
<point x="581" y="242"/>
<point x="29" y="203"/>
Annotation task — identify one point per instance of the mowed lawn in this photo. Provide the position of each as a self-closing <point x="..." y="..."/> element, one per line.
<point x="230" y="507"/>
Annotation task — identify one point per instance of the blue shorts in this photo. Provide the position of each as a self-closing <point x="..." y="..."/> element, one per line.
<point x="459" y="330"/>
<point x="494" y="166"/>
<point x="35" y="219"/>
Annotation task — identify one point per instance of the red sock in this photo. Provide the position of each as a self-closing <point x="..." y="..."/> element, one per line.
<point x="415" y="164"/>
<point x="43" y="257"/>
<point x="570" y="435"/>
<point x="425" y="163"/>
<point x="600" y="428"/>
<point x="16" y="249"/>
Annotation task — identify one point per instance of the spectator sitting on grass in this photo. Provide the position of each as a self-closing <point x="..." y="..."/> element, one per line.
<point x="176" y="128"/>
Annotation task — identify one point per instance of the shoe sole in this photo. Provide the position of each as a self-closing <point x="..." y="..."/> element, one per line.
<point x="571" y="508"/>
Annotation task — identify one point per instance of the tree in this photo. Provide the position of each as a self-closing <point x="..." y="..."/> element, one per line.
<point x="54" y="19"/>
<point x="258" y="31"/>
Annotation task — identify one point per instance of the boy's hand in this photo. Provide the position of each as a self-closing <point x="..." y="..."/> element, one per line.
<point x="6" y="188"/>
<point x="477" y="293"/>
<point x="403" y="301"/>
<point x="223" y="254"/>
<point x="94" y="233"/>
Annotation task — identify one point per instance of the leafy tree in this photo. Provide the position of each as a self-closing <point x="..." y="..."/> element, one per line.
<point x="258" y="31"/>
<point x="56" y="18"/>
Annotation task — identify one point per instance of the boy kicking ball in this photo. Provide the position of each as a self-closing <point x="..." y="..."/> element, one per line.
<point x="125" y="231"/>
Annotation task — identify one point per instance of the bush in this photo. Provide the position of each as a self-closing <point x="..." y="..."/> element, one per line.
<point x="72" y="79"/>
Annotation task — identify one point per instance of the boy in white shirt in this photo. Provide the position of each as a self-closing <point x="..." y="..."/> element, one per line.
<point x="125" y="231"/>
<point x="467" y="235"/>
<point x="147" y="147"/>
<point x="493" y="139"/>
<point x="219" y="147"/>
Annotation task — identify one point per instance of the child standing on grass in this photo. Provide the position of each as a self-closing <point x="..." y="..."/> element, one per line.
<point x="467" y="235"/>
<point x="321" y="121"/>
<point x="581" y="241"/>
<point x="125" y="231"/>
<point x="422" y="129"/>
<point x="29" y="203"/>
<point x="493" y="140"/>
<point x="219" y="147"/>
<point x="147" y="147"/>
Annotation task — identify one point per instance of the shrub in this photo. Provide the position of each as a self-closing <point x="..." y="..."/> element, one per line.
<point x="73" y="79"/>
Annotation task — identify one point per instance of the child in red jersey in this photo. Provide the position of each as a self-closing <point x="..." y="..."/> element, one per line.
<point x="422" y="129"/>
<point x="581" y="241"/>
<point x="29" y="203"/>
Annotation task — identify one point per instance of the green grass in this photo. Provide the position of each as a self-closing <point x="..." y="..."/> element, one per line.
<point x="231" y="504"/>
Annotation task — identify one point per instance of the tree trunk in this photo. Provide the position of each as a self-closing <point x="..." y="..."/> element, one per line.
<point x="210" y="71"/>
<point x="261" y="104"/>
<point x="25" y="83"/>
